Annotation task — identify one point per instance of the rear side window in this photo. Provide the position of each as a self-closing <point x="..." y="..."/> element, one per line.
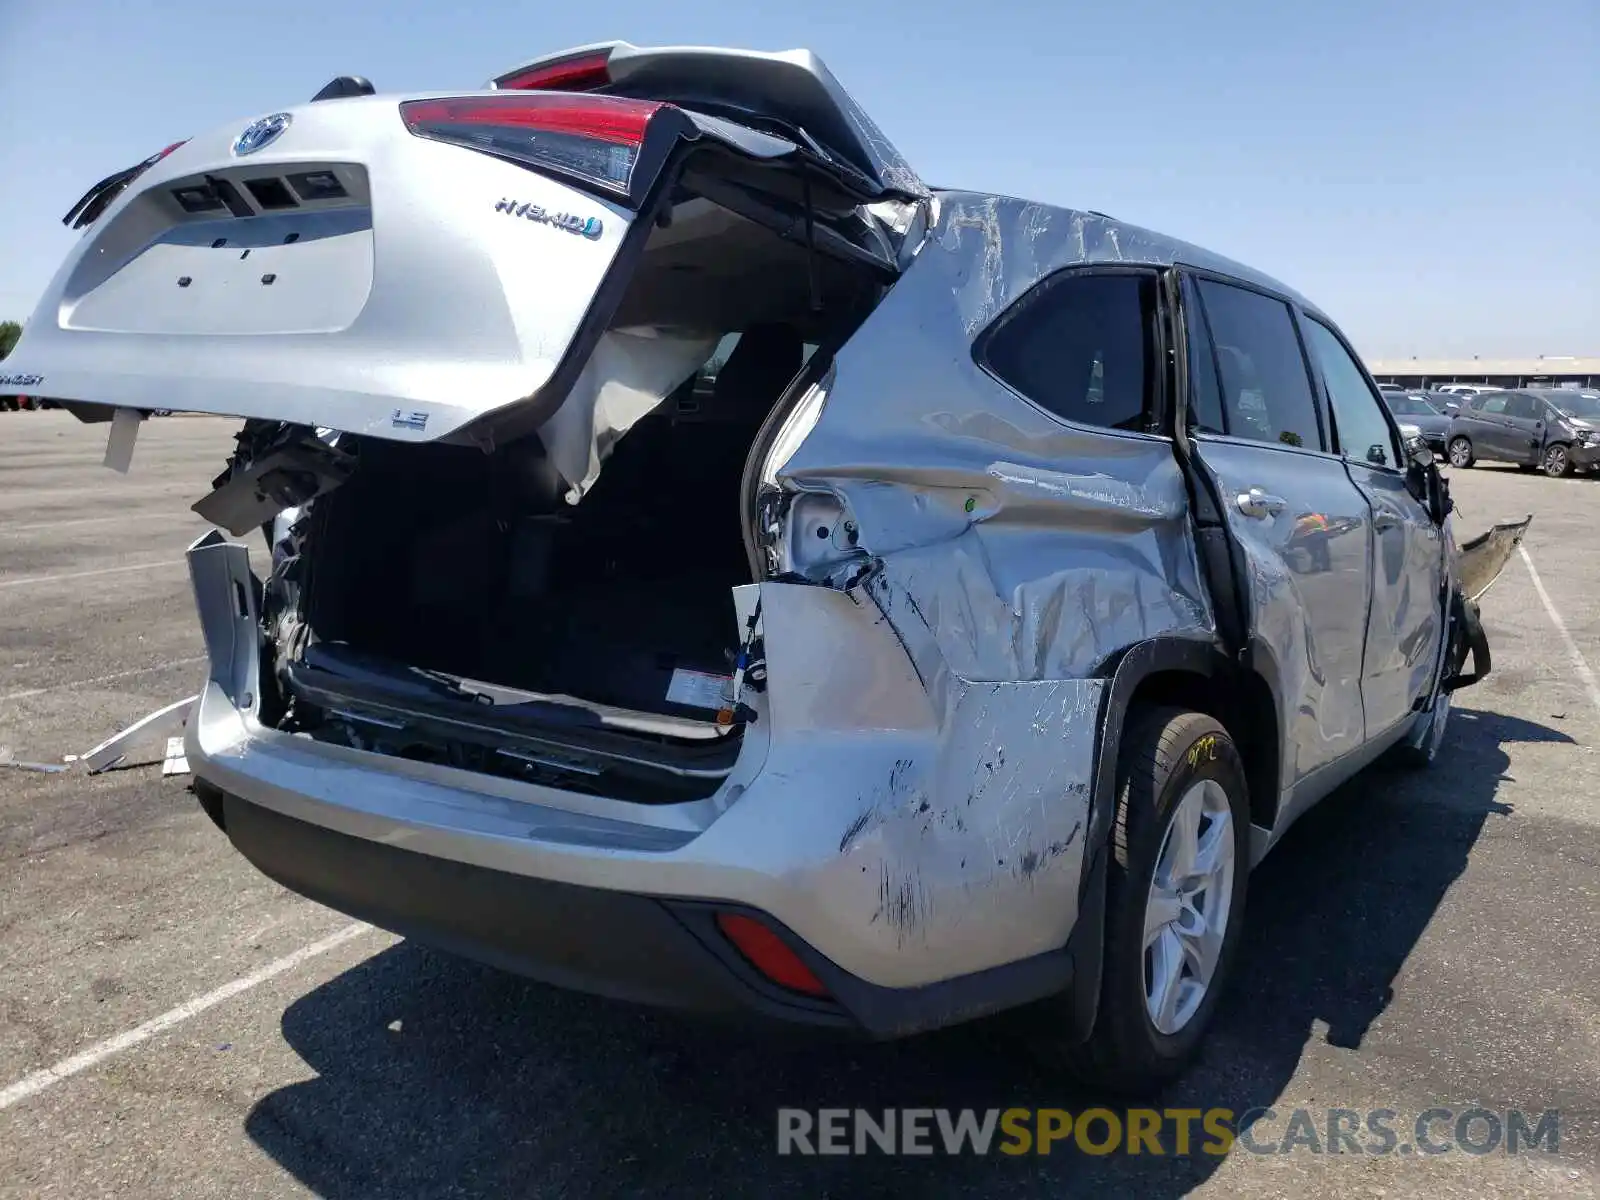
<point x="1494" y="404"/>
<point x="1081" y="346"/>
<point x="1266" y="391"/>
<point x="1525" y="407"/>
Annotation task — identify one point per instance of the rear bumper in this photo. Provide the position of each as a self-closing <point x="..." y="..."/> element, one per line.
<point x="663" y="951"/>
<point x="924" y="878"/>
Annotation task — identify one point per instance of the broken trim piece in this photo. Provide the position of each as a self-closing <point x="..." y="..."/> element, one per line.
<point x="162" y="723"/>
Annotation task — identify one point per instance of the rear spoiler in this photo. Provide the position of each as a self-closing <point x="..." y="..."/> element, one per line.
<point x="791" y="93"/>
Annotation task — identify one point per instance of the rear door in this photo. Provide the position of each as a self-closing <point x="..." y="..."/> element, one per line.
<point x="1404" y="625"/>
<point x="1488" y="426"/>
<point x="1525" y="427"/>
<point x="1257" y="432"/>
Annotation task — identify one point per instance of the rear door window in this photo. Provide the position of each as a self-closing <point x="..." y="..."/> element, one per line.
<point x="1081" y="346"/>
<point x="1364" y="435"/>
<point x="1493" y="405"/>
<point x="1524" y="407"/>
<point x="1261" y="370"/>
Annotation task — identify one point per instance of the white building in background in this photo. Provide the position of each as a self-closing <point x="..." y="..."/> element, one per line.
<point x="1545" y="370"/>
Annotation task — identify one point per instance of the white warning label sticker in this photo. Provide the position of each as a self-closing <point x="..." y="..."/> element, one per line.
<point x="699" y="689"/>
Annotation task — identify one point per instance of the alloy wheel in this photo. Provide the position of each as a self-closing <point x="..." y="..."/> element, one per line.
<point x="1461" y="453"/>
<point x="1186" y="910"/>
<point x="1555" y="461"/>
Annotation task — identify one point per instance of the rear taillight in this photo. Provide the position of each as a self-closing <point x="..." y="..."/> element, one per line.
<point x="98" y="198"/>
<point x="769" y="954"/>
<point x="576" y="74"/>
<point x="595" y="138"/>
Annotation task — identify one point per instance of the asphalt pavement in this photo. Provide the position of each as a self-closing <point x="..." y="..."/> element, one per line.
<point x="173" y="1024"/>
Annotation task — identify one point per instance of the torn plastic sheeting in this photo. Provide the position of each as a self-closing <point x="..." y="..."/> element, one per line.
<point x="630" y="372"/>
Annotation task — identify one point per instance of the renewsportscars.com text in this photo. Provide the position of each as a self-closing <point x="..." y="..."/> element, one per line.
<point x="1169" y="1131"/>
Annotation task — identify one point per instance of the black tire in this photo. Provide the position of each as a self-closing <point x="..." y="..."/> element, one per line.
<point x="1556" y="461"/>
<point x="1461" y="448"/>
<point x="1163" y="752"/>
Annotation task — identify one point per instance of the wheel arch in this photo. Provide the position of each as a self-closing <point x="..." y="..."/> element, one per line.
<point x="1178" y="671"/>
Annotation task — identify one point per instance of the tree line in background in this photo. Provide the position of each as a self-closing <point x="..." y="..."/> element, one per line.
<point x="10" y="331"/>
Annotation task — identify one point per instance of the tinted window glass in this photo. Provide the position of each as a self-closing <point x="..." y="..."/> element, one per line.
<point x="1357" y="420"/>
<point x="1401" y="403"/>
<point x="1081" y="346"/>
<point x="1524" y="406"/>
<point x="1492" y="404"/>
<point x="1266" y="393"/>
<point x="1205" y="393"/>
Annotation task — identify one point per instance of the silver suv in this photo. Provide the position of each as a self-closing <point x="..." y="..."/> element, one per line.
<point x="709" y="567"/>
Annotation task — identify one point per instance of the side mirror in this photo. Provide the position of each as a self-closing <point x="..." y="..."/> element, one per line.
<point x="1418" y="453"/>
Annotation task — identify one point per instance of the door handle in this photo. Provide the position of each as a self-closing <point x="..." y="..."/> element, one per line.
<point x="1260" y="504"/>
<point x="1384" y="521"/>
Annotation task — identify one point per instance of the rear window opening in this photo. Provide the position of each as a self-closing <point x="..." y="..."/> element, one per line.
<point x="499" y="613"/>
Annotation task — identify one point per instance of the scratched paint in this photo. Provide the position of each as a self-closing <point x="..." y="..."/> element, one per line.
<point x="1010" y="553"/>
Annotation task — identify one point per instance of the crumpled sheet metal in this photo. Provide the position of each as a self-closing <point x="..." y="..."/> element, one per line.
<point x="927" y="832"/>
<point x="1032" y="549"/>
<point x="1010" y="554"/>
<point x="1011" y="244"/>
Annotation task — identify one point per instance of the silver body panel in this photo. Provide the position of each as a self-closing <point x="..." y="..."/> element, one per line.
<point x="415" y="297"/>
<point x="914" y="797"/>
<point x="885" y="832"/>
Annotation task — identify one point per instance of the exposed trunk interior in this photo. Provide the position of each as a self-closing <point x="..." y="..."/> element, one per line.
<point x="478" y="567"/>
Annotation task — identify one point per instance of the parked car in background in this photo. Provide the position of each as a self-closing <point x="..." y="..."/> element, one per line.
<point x="1413" y="408"/>
<point x="1464" y="389"/>
<point x="959" y="647"/>
<point x="1556" y="430"/>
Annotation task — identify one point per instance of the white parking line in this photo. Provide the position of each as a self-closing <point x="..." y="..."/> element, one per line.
<point x="115" y="675"/>
<point x="1578" y="661"/>
<point x="131" y="518"/>
<point x="32" y="1085"/>
<point x="11" y="583"/>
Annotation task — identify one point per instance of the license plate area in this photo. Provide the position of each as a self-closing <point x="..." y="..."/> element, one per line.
<point x="306" y="272"/>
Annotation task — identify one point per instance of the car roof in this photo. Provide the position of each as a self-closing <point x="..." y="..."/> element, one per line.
<point x="1102" y="239"/>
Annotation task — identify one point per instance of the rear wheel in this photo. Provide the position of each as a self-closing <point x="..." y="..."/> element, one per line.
<point x="1557" y="463"/>
<point x="1175" y="898"/>
<point x="1460" y="452"/>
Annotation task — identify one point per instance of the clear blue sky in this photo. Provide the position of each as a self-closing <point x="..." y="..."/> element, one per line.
<point x="1428" y="172"/>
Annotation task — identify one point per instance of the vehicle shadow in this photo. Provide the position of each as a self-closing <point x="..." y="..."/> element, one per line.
<point x="440" y="1077"/>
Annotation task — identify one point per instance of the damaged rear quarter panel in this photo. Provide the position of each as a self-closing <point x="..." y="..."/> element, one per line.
<point x="1013" y="556"/>
<point x="909" y="837"/>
